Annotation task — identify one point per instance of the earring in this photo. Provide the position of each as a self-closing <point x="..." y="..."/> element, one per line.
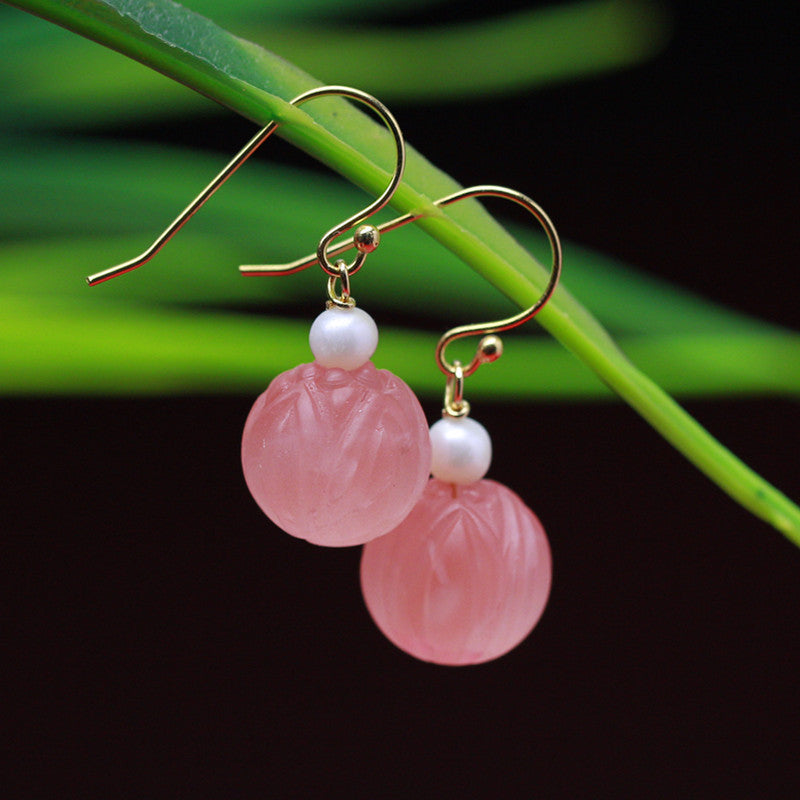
<point x="466" y="575"/>
<point x="336" y="452"/>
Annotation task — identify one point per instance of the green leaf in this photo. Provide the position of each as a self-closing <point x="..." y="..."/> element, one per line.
<point x="257" y="84"/>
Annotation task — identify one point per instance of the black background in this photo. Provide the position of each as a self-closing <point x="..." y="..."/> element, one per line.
<point x="171" y="643"/>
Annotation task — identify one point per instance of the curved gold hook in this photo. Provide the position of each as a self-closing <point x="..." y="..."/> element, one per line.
<point x="490" y="348"/>
<point x="245" y="153"/>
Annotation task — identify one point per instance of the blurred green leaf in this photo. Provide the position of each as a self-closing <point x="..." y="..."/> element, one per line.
<point x="249" y="10"/>
<point x="87" y="345"/>
<point x="516" y="52"/>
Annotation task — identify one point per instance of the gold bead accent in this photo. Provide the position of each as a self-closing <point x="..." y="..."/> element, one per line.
<point x="366" y="238"/>
<point x="490" y="348"/>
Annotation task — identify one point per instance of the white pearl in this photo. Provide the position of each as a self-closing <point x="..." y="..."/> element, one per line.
<point x="462" y="450"/>
<point x="343" y="337"/>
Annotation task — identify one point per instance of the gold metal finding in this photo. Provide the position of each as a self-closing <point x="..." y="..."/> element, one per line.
<point x="454" y="403"/>
<point x="342" y="298"/>
<point x="490" y="347"/>
<point x="322" y="257"/>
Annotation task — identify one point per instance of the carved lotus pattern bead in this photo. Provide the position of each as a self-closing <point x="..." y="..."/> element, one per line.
<point x="336" y="457"/>
<point x="464" y="578"/>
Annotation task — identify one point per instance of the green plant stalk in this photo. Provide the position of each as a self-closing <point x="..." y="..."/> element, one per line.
<point x="687" y="435"/>
<point x="245" y="78"/>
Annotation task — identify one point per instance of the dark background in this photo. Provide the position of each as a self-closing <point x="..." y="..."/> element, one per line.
<point x="170" y="643"/>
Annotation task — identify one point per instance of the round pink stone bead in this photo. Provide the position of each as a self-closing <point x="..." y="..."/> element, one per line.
<point x="464" y="578"/>
<point x="336" y="457"/>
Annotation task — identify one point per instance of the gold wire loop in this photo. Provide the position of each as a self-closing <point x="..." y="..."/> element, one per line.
<point x="454" y="403"/>
<point x="342" y="299"/>
<point x="490" y="347"/>
<point x="322" y="256"/>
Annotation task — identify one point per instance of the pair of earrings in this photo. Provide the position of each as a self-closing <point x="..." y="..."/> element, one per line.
<point x="455" y="569"/>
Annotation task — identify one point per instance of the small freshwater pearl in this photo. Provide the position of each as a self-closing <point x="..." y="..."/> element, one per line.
<point x="343" y="337"/>
<point x="462" y="450"/>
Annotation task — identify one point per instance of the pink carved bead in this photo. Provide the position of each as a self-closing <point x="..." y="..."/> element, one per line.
<point x="464" y="578"/>
<point x="336" y="457"/>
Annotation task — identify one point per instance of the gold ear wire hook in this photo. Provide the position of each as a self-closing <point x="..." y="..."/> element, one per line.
<point x="490" y="347"/>
<point x="245" y="153"/>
